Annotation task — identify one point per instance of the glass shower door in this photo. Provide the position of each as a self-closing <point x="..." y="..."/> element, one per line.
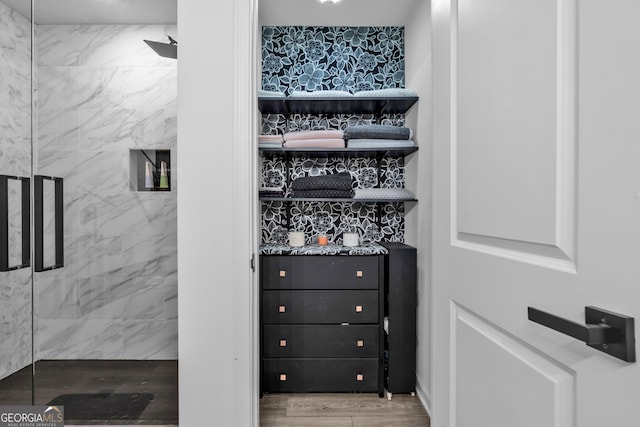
<point x="15" y="204"/>
<point x="105" y="299"/>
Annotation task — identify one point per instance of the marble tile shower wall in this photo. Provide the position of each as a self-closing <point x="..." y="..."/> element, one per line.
<point x="101" y="92"/>
<point x="15" y="159"/>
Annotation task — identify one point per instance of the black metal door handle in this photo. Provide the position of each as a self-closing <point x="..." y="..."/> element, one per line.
<point x="599" y="333"/>
<point x="606" y="331"/>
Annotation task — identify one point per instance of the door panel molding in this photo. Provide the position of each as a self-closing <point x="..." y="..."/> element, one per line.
<point x="530" y="382"/>
<point x="547" y="256"/>
<point x="543" y="233"/>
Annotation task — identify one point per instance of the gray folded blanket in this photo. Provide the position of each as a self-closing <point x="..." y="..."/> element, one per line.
<point x="323" y="194"/>
<point x="336" y="181"/>
<point x="380" y="143"/>
<point x="376" y="132"/>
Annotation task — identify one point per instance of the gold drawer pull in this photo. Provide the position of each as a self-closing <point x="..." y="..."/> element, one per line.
<point x="282" y="309"/>
<point x="360" y="343"/>
<point x="283" y="377"/>
<point x="283" y="343"/>
<point x="283" y="273"/>
<point x="359" y="309"/>
<point x="359" y="273"/>
<point x="359" y="377"/>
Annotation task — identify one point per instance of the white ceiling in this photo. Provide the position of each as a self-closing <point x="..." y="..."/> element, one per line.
<point x="347" y="13"/>
<point x="99" y="11"/>
<point x="271" y="12"/>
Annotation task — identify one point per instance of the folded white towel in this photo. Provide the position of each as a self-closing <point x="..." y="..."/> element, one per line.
<point x="383" y="194"/>
<point x="321" y="93"/>
<point x="387" y="92"/>
<point x="269" y="94"/>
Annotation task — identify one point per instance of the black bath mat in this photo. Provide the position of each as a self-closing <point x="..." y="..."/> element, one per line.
<point x="103" y="406"/>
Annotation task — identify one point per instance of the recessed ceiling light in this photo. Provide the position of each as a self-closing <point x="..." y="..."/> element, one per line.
<point x="330" y="1"/>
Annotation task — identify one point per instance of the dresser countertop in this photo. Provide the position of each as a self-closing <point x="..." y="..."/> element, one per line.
<point x="331" y="249"/>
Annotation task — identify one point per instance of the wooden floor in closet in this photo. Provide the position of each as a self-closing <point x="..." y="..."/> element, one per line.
<point x="341" y="410"/>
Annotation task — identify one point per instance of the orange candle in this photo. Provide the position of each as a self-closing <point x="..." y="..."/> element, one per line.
<point x="323" y="240"/>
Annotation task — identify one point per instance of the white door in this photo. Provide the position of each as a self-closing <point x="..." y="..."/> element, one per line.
<point x="536" y="204"/>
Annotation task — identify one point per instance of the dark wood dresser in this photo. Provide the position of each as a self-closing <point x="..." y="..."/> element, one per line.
<point x="322" y="323"/>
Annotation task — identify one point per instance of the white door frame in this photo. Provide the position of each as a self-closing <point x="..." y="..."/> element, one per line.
<point x="245" y="211"/>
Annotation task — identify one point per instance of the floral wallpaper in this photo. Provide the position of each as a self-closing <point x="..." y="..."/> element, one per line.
<point x="277" y="172"/>
<point x="277" y="124"/>
<point x="332" y="58"/>
<point x="333" y="219"/>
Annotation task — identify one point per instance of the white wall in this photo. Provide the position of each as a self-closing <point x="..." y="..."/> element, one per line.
<point x="215" y="80"/>
<point x="418" y="169"/>
<point x="205" y="277"/>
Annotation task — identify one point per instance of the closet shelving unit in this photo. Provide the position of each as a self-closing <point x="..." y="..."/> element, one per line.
<point x="395" y="279"/>
<point x="336" y="105"/>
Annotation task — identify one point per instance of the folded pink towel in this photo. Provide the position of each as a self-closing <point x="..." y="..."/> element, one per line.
<point x="313" y="134"/>
<point x="269" y="137"/>
<point x="315" y="143"/>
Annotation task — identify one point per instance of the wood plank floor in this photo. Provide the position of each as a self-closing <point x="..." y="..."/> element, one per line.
<point x="341" y="410"/>
<point x="100" y="378"/>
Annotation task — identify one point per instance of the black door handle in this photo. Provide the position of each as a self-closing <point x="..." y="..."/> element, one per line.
<point x="599" y="333"/>
<point x="606" y="331"/>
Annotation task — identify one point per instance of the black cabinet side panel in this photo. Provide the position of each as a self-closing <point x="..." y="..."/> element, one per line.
<point x="401" y="291"/>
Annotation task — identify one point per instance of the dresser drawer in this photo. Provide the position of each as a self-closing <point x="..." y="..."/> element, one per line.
<point x="324" y="307"/>
<point x="320" y="272"/>
<point x="320" y="375"/>
<point x="321" y="341"/>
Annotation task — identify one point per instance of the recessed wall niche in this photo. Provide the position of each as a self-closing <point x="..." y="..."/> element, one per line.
<point x="150" y="170"/>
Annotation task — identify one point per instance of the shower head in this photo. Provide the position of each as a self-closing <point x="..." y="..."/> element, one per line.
<point x="167" y="50"/>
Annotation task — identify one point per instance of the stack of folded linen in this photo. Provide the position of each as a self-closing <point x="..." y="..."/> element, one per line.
<point x="378" y="136"/>
<point x="270" y="94"/>
<point x="383" y="194"/>
<point x="321" y="94"/>
<point x="270" y="192"/>
<point x="270" y="141"/>
<point x="314" y="139"/>
<point x="338" y="185"/>
<point x="388" y="92"/>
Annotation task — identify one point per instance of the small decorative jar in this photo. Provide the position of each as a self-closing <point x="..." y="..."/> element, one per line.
<point x="350" y="237"/>
<point x="280" y="236"/>
<point x="296" y="239"/>
<point x="323" y="240"/>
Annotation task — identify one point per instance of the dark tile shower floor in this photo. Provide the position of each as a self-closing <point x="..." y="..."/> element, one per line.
<point x="100" y="392"/>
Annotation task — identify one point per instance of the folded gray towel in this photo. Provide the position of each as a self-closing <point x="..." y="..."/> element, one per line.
<point x="376" y="132"/>
<point x="323" y="194"/>
<point x="380" y="143"/>
<point x="337" y="181"/>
